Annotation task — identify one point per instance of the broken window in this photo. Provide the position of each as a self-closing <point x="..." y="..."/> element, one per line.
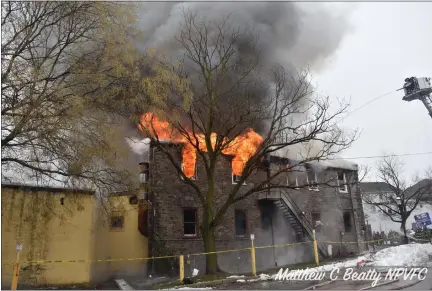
<point x="342" y="182"/>
<point x="347" y="221"/>
<point x="240" y="222"/>
<point x="316" y="220"/>
<point x="267" y="209"/>
<point x="195" y="176"/>
<point x="189" y="222"/>
<point x="236" y="179"/>
<point x="117" y="222"/>
<point x="312" y="179"/>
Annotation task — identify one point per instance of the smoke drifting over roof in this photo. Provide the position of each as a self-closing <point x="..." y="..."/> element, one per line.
<point x="291" y="34"/>
<point x="294" y="35"/>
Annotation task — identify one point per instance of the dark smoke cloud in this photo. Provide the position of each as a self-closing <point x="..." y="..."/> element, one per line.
<point x="292" y="34"/>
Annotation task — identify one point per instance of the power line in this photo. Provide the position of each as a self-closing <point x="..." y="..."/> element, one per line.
<point x="369" y="102"/>
<point x="383" y="156"/>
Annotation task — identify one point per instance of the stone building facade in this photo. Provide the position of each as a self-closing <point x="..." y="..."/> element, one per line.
<point x="176" y="212"/>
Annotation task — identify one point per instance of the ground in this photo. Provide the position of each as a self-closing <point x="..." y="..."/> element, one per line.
<point x="411" y="256"/>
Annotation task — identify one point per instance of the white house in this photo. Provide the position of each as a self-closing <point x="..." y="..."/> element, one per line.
<point x="378" y="220"/>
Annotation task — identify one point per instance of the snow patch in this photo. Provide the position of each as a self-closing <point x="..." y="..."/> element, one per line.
<point x="264" y="277"/>
<point x="411" y="255"/>
<point x="241" y="281"/>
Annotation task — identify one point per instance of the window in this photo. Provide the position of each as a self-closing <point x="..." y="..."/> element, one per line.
<point x="342" y="182"/>
<point x="316" y="220"/>
<point x="347" y="221"/>
<point x="312" y="180"/>
<point x="190" y="222"/>
<point x="117" y="222"/>
<point x="236" y="179"/>
<point x="240" y="222"/>
<point x="195" y="176"/>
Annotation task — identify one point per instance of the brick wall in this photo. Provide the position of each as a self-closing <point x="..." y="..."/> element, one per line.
<point x="171" y="195"/>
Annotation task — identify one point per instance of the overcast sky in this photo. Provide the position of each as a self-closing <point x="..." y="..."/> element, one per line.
<point x="389" y="42"/>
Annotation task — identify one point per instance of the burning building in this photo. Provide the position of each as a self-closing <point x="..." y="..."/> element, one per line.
<point x="275" y="217"/>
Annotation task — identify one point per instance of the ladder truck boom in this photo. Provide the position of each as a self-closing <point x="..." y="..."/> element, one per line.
<point x="419" y="89"/>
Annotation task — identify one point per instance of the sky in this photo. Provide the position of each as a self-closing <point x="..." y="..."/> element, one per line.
<point x="388" y="42"/>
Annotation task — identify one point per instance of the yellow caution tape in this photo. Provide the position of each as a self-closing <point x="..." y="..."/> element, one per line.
<point x="196" y="254"/>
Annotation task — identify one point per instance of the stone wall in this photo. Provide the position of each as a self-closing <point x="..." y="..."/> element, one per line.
<point x="171" y="195"/>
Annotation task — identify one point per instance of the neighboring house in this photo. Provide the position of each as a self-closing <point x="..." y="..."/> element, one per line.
<point x="274" y="218"/>
<point x="67" y="224"/>
<point x="382" y="222"/>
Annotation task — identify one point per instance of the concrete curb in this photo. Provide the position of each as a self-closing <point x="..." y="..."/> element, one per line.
<point x="406" y="286"/>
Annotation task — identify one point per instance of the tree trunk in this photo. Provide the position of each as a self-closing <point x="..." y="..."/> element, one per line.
<point x="210" y="246"/>
<point x="405" y="232"/>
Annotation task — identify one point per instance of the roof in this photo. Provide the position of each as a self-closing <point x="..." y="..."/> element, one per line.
<point x="368" y="187"/>
<point x="424" y="189"/>
<point x="34" y="188"/>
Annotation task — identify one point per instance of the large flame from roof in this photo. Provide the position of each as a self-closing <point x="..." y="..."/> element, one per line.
<point x="243" y="147"/>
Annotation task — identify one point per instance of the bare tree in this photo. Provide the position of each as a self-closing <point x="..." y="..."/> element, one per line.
<point x="403" y="196"/>
<point x="53" y="55"/>
<point x="219" y="100"/>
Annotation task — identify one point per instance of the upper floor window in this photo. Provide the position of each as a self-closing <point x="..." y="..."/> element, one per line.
<point x="190" y="222"/>
<point x="342" y="182"/>
<point x="195" y="176"/>
<point x="236" y="179"/>
<point x="312" y="179"/>
<point x="240" y="222"/>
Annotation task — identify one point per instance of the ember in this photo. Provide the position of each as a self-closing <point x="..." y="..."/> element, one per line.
<point x="242" y="147"/>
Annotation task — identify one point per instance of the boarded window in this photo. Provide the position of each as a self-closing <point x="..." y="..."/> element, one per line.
<point x="347" y="221"/>
<point x="240" y="222"/>
<point x="189" y="222"/>
<point x="117" y="222"/>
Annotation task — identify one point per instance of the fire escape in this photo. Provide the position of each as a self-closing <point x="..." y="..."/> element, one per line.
<point x="297" y="219"/>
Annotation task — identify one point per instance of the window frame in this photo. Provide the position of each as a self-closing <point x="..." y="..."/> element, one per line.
<point x="345" y="212"/>
<point x="314" y="213"/>
<point x="117" y="215"/>
<point x="195" y="176"/>
<point x="235" y="222"/>
<point x="234" y="182"/>
<point x="344" y="181"/>
<point x="313" y="188"/>
<point x="196" y="222"/>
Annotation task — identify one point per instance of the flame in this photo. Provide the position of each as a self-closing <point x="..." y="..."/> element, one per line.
<point x="242" y="147"/>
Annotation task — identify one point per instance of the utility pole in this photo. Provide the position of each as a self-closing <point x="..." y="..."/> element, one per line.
<point x="418" y="89"/>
